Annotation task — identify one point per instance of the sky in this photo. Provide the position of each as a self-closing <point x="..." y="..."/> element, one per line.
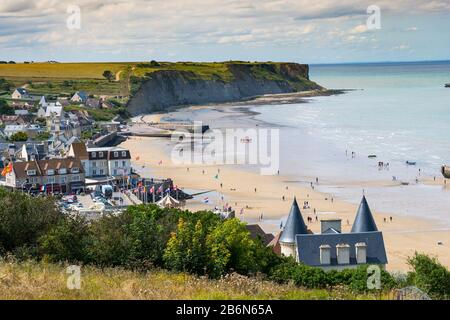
<point x="307" y="31"/>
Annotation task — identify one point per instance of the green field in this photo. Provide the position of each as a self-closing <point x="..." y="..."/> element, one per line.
<point x="48" y="78"/>
<point x="66" y="78"/>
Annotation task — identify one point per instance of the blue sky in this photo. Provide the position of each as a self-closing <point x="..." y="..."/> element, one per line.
<point x="319" y="31"/>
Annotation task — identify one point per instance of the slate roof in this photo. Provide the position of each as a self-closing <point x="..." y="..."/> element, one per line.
<point x="256" y="231"/>
<point x="364" y="221"/>
<point x="308" y="246"/>
<point x="22" y="91"/>
<point x="294" y="225"/>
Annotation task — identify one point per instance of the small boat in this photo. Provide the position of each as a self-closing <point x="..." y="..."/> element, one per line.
<point x="411" y="163"/>
<point x="446" y="171"/>
<point x="405" y="183"/>
<point x="372" y="156"/>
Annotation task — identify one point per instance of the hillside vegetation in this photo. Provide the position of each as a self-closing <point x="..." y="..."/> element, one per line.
<point x="40" y="280"/>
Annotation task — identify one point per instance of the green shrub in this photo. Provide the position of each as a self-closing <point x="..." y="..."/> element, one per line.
<point x="430" y="276"/>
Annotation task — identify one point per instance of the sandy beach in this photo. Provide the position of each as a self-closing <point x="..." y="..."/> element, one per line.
<point x="236" y="185"/>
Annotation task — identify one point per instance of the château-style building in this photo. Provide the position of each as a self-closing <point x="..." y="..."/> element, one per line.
<point x="333" y="249"/>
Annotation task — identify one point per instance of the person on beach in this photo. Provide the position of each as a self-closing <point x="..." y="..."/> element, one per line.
<point x="390" y="219"/>
<point x="317" y="180"/>
<point x="203" y="171"/>
<point x="284" y="198"/>
<point x="255" y="190"/>
<point x="384" y="220"/>
<point x="348" y="222"/>
<point x="221" y="185"/>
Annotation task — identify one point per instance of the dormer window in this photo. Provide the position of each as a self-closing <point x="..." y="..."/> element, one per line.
<point x="100" y="154"/>
<point x="116" y="154"/>
<point x="94" y="154"/>
<point x="75" y="170"/>
<point x="31" y="172"/>
<point x="62" y="171"/>
<point x="124" y="153"/>
<point x="50" y="172"/>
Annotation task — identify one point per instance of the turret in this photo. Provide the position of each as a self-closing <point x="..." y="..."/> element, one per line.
<point x="364" y="221"/>
<point x="294" y="225"/>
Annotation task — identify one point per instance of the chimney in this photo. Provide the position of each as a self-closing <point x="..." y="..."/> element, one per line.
<point x="361" y="253"/>
<point x="331" y="223"/>
<point x="325" y="254"/>
<point x="343" y="253"/>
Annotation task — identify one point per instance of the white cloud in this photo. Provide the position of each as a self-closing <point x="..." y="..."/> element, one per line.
<point x="146" y="24"/>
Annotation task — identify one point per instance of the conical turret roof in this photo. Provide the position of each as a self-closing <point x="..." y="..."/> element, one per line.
<point x="294" y="225"/>
<point x="364" y="221"/>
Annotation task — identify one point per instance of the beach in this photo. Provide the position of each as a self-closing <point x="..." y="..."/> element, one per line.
<point x="235" y="185"/>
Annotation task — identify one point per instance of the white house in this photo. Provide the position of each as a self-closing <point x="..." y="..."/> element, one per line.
<point x="12" y="129"/>
<point x="19" y="94"/>
<point x="80" y="97"/>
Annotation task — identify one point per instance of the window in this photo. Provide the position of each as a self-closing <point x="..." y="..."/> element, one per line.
<point x="116" y="164"/>
<point x="51" y="180"/>
<point x="50" y="172"/>
<point x="94" y="172"/>
<point x="115" y="172"/>
<point x="63" y="179"/>
<point x="100" y="154"/>
<point x="94" y="164"/>
<point x="62" y="171"/>
<point x="76" y="178"/>
<point x="94" y="154"/>
<point x="101" y="172"/>
<point x="116" y="154"/>
<point x="124" y="164"/>
<point x="75" y="170"/>
<point x="31" y="172"/>
<point x="124" y="153"/>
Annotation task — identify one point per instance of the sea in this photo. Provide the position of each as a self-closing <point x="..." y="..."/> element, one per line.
<point x="396" y="111"/>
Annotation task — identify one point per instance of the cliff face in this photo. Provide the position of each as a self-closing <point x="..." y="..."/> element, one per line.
<point x="168" y="88"/>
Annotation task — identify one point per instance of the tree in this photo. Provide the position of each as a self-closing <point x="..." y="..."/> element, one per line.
<point x="154" y="63"/>
<point x="67" y="241"/>
<point x="19" y="136"/>
<point x="430" y="276"/>
<point x="6" y="85"/>
<point x="5" y="108"/>
<point x="24" y="219"/>
<point x="108" y="75"/>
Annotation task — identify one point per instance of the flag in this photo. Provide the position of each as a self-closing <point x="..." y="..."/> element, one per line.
<point x="43" y="188"/>
<point x="175" y="188"/>
<point x="206" y="200"/>
<point x="168" y="190"/>
<point x="7" y="169"/>
<point x="160" y="189"/>
<point x="152" y="189"/>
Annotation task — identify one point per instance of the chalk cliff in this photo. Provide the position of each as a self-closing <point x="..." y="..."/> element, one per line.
<point x="162" y="89"/>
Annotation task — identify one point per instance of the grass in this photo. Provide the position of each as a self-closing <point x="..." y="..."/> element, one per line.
<point x="42" y="281"/>
<point x="100" y="114"/>
<point x="66" y="78"/>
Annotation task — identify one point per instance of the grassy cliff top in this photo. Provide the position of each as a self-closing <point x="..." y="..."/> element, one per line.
<point x="66" y="78"/>
<point x="42" y="281"/>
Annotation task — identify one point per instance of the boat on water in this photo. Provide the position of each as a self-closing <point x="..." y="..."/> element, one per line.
<point x="446" y="171"/>
<point x="372" y="156"/>
<point x="411" y="163"/>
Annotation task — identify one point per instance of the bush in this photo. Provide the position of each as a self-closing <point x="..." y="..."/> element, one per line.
<point x="67" y="241"/>
<point x="430" y="276"/>
<point x="19" y="136"/>
<point x="24" y="219"/>
<point x="5" y="108"/>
